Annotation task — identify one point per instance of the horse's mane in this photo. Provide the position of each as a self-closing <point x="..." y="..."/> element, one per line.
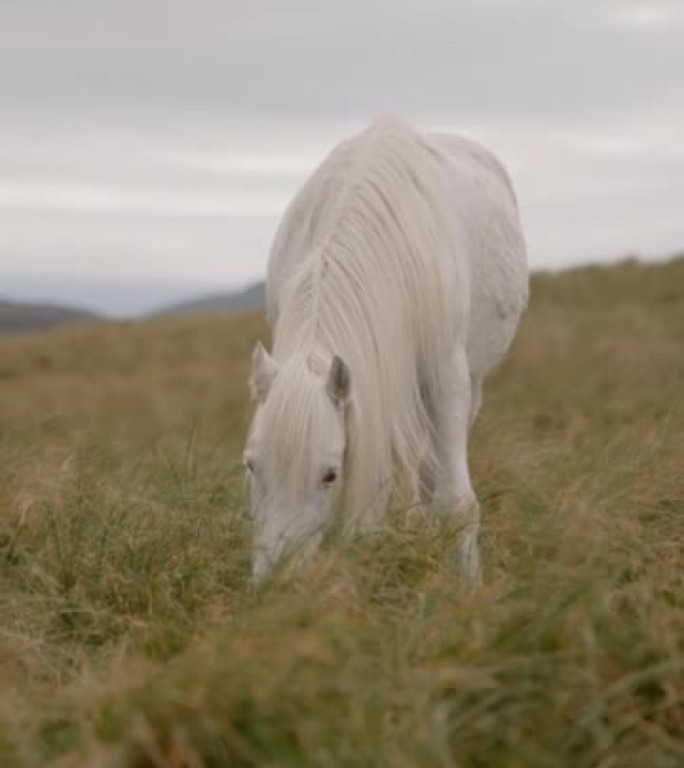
<point x="376" y="225"/>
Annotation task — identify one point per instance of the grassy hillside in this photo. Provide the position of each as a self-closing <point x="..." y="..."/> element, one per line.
<point x="130" y="635"/>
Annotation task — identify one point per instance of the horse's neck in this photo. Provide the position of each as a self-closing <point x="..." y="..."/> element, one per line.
<point x="298" y="330"/>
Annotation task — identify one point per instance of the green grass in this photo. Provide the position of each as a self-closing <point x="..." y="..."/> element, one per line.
<point x="130" y="635"/>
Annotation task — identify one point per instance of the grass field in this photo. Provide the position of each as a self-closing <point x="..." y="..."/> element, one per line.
<point x="130" y="635"/>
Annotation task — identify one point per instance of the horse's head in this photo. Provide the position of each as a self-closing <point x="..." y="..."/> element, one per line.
<point x="295" y="453"/>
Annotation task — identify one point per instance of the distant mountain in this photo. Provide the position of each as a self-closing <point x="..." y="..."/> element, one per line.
<point x="238" y="301"/>
<point x="16" y="316"/>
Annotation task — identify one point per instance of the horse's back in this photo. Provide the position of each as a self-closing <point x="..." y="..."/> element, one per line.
<point x="471" y="157"/>
<point x="485" y="202"/>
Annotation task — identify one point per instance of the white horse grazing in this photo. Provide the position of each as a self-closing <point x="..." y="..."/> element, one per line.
<point x="396" y="282"/>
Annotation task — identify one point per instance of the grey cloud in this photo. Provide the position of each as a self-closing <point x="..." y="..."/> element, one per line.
<point x="152" y="142"/>
<point x="511" y="61"/>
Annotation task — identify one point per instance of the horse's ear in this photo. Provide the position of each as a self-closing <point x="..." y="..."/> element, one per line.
<point x="339" y="381"/>
<point x="264" y="371"/>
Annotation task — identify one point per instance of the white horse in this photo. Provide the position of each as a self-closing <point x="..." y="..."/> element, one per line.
<point x="396" y="281"/>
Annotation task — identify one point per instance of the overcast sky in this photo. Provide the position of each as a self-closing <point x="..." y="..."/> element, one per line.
<point x="148" y="147"/>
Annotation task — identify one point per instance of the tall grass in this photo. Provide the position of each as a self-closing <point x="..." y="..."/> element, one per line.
<point x="130" y="634"/>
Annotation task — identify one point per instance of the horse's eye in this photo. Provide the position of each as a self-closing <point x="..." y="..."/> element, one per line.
<point x="329" y="477"/>
<point x="249" y="466"/>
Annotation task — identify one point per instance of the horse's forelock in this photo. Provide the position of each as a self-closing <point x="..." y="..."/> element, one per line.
<point x="300" y="423"/>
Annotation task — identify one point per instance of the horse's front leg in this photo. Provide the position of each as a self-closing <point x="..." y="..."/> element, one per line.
<point x="452" y="492"/>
